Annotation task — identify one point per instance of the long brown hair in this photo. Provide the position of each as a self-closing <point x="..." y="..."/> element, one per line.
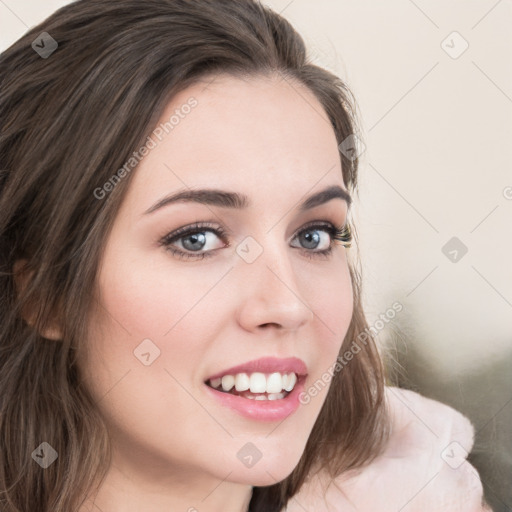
<point x="69" y="120"/>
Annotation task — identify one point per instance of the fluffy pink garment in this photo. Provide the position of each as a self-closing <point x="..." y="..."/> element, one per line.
<point x="423" y="467"/>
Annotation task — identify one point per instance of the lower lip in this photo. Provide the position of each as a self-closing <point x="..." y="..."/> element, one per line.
<point x="262" y="410"/>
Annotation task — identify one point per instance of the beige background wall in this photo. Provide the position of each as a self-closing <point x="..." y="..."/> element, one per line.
<point x="438" y="164"/>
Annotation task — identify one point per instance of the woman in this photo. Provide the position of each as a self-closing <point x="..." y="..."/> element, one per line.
<point x="178" y="291"/>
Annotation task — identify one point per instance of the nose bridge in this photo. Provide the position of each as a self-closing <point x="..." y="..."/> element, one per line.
<point x="272" y="293"/>
<point x="268" y="259"/>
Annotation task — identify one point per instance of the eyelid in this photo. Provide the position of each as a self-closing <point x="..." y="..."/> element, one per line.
<point x="215" y="226"/>
<point x="196" y="227"/>
<point x="225" y="234"/>
<point x="318" y="223"/>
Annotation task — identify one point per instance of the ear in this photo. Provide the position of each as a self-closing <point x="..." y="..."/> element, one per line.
<point x="22" y="277"/>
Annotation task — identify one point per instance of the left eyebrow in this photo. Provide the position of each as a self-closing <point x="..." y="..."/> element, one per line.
<point x="225" y="199"/>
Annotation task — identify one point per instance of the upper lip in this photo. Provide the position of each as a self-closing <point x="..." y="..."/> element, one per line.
<point x="267" y="365"/>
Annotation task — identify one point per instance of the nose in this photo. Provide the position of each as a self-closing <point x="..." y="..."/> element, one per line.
<point x="271" y="295"/>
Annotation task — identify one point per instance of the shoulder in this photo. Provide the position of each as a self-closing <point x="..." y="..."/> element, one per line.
<point x="422" y="468"/>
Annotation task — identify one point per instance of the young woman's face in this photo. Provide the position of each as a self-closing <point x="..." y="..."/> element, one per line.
<point x="169" y="321"/>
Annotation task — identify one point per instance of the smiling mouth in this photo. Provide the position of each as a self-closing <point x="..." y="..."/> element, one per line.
<point x="256" y="386"/>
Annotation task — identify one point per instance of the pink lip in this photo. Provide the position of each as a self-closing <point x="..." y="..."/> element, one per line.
<point x="267" y="365"/>
<point x="262" y="410"/>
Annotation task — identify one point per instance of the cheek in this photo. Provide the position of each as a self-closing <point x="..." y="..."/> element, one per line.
<point x="332" y="302"/>
<point x="333" y="308"/>
<point x="151" y="311"/>
<point x="151" y="298"/>
<point x="148" y="314"/>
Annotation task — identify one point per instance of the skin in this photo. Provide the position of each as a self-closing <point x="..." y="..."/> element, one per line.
<point x="175" y="448"/>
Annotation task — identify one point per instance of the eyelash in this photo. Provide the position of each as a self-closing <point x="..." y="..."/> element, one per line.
<point x="342" y="234"/>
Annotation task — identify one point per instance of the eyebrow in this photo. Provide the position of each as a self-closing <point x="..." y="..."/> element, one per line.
<point x="225" y="199"/>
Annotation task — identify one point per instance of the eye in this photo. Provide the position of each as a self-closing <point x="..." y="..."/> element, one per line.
<point x="312" y="240"/>
<point x="193" y="239"/>
<point x="309" y="237"/>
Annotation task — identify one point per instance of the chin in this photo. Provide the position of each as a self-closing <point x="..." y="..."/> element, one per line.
<point x="261" y="475"/>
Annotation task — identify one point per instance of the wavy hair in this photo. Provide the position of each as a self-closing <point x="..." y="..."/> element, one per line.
<point x="68" y="120"/>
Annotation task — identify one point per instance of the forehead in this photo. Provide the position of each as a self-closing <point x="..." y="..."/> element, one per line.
<point x="257" y="135"/>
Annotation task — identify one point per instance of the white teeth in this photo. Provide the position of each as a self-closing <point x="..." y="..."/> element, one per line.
<point x="228" y="381"/>
<point x="257" y="382"/>
<point x="242" y="382"/>
<point x="292" y="379"/>
<point x="272" y="396"/>
<point x="275" y="396"/>
<point x="274" y="383"/>
<point x="216" y="382"/>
